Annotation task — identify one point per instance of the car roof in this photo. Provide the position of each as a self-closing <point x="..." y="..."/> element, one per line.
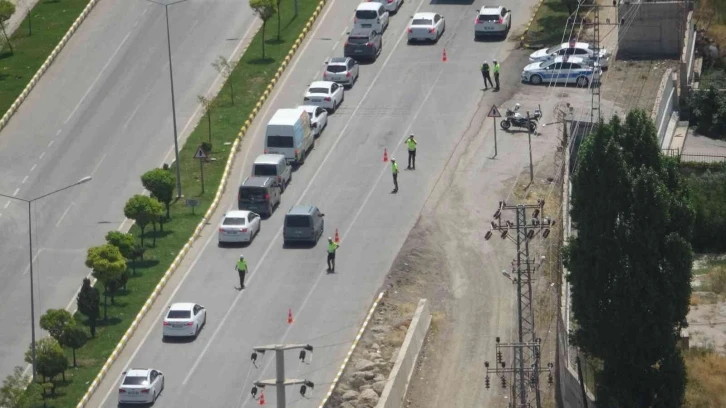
<point x="570" y="58"/>
<point x="138" y="372"/>
<point x="309" y="108"/>
<point x="577" y="45"/>
<point x="321" y="84"/>
<point x="338" y="60"/>
<point x="182" y="306"/>
<point x="235" y="214"/>
<point x="257" y="181"/>
<point x="491" y="9"/>
<point x="369" y="6"/>
<point x="424" y="14"/>
<point x="301" y="210"/>
<point x="269" y="158"/>
<point x="360" y="31"/>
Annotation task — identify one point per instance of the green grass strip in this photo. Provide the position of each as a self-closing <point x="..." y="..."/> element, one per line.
<point x="50" y="22"/>
<point x="250" y="78"/>
<point x="549" y="24"/>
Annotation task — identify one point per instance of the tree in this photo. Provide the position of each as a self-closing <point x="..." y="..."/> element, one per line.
<point x="18" y="391"/>
<point x="279" y="17"/>
<point x="74" y="337"/>
<point x="264" y="9"/>
<point x="89" y="302"/>
<point x="108" y="266"/>
<point x="160" y="183"/>
<point x="630" y="262"/>
<point x="207" y="105"/>
<point x="126" y="244"/>
<point x="55" y="322"/>
<point x="226" y="67"/>
<point x="7" y="9"/>
<point x="144" y="211"/>
<point x="50" y="359"/>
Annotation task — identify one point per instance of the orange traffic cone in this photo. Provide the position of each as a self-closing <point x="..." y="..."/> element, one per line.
<point x="262" y="398"/>
<point x="289" y="316"/>
<point x="385" y="155"/>
<point x="443" y="58"/>
<point x="337" y="237"/>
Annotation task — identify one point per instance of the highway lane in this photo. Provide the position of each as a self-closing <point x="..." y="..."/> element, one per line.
<point x="409" y="89"/>
<point x="102" y="109"/>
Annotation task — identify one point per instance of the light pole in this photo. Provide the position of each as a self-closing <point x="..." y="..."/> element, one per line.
<point x="30" y="246"/>
<point x="173" y="105"/>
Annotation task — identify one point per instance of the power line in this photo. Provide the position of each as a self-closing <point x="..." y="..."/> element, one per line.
<point x="280" y="382"/>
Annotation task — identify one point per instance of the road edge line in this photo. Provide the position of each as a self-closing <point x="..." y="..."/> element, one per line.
<point x="207" y="216"/>
<point x="352" y="349"/>
<point x="46" y="64"/>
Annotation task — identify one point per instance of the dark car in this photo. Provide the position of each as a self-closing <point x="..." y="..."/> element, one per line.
<point x="259" y="194"/>
<point x="363" y="43"/>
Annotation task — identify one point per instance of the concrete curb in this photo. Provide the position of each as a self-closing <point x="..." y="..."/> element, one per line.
<point x="36" y="78"/>
<point x="207" y="216"/>
<point x="352" y="349"/>
<point x="394" y="394"/>
<point x="526" y="29"/>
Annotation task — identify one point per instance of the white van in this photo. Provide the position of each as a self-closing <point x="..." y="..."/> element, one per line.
<point x="273" y="165"/>
<point x="371" y="15"/>
<point x="289" y="133"/>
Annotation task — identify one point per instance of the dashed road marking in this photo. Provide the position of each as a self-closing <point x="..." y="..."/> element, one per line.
<point x="64" y="215"/>
<point x="17" y="190"/>
<point x="24" y="180"/>
<point x="41" y="156"/>
<point x="33" y="168"/>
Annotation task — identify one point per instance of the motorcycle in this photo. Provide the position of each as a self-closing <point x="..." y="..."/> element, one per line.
<point x="516" y="119"/>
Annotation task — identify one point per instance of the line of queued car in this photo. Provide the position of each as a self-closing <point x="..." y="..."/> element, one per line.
<point x="573" y="62"/>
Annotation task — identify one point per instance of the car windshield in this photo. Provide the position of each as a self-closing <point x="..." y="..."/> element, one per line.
<point x="234" y="221"/>
<point x="554" y="49"/>
<point x="422" y="22"/>
<point x="279" y="141"/>
<point x="251" y="193"/>
<point x="489" y="18"/>
<point x="297" y="221"/>
<point x="318" y="91"/>
<point x="134" y="380"/>
<point x="265" y="170"/>
<point x="357" y="40"/>
<point x="178" y="314"/>
<point x="336" y="68"/>
<point x="366" y="15"/>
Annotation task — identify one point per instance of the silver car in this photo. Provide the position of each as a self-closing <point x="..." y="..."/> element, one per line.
<point x="341" y="70"/>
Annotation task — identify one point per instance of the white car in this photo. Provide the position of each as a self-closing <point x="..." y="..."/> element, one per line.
<point x="238" y="226"/>
<point x="580" y="49"/>
<point x="561" y="70"/>
<point x="318" y="118"/>
<point x="184" y="320"/>
<point x="140" y="386"/>
<point x="341" y="70"/>
<point x="493" y="21"/>
<point x="426" y="27"/>
<point x="325" y="94"/>
<point x="391" y="6"/>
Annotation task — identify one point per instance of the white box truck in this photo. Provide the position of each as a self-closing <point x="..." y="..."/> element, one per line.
<point x="289" y="133"/>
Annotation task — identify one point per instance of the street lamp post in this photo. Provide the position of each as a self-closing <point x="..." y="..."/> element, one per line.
<point x="173" y="104"/>
<point x="30" y="247"/>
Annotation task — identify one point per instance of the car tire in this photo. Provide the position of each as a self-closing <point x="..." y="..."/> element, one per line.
<point x="196" y="332"/>
<point x="582" y="82"/>
<point x="535" y="79"/>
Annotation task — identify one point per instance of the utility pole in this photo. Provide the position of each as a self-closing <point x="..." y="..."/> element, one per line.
<point x="280" y="382"/>
<point x="529" y="135"/>
<point x="525" y="368"/>
<point x="531" y="373"/>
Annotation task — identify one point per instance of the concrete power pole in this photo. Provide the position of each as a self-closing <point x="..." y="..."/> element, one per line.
<point x="280" y="382"/>
<point x="526" y="350"/>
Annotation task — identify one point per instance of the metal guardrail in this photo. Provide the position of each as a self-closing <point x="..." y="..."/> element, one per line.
<point x="703" y="158"/>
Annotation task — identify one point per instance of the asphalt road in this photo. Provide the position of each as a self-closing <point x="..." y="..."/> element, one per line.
<point x="409" y="89"/>
<point x="102" y="109"/>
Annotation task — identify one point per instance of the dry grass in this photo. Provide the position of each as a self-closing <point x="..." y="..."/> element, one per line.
<point x="706" y="379"/>
<point x="717" y="280"/>
<point x="696" y="300"/>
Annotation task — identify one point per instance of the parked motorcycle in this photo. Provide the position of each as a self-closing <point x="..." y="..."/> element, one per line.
<point x="516" y="119"/>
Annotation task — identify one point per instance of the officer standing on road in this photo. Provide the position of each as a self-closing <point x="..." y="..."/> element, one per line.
<point x="394" y="170"/>
<point x="411" y="142"/>
<point x="496" y="74"/>
<point x="241" y="270"/>
<point x="332" y="247"/>
<point x="485" y="75"/>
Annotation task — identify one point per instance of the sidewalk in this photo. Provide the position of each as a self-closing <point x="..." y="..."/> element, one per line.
<point x="21" y="10"/>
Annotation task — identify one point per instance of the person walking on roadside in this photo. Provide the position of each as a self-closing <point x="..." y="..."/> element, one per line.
<point x="394" y="170"/>
<point x="485" y="75"/>
<point x="411" y="142"/>
<point x="332" y="247"/>
<point x="241" y="270"/>
<point x="496" y="74"/>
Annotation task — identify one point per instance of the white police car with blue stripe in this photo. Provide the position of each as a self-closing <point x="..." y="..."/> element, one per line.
<point x="562" y="70"/>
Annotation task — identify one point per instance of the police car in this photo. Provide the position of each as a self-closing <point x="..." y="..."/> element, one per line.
<point x="562" y="70"/>
<point x="574" y="49"/>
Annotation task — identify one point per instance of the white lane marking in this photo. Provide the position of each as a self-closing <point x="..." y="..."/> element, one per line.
<point x="336" y="44"/>
<point x="64" y="215"/>
<point x="302" y="196"/>
<point x="345" y="31"/>
<point x="51" y="142"/>
<point x="27" y="268"/>
<point x="1" y="214"/>
<point x="97" y="77"/>
<point x="24" y="180"/>
<point x="17" y="190"/>
<point x="7" y="205"/>
<point x="144" y="13"/>
<point x="56" y="133"/>
<point x="41" y="156"/>
<point x="98" y="164"/>
<point x="33" y="168"/>
<point x="134" y="112"/>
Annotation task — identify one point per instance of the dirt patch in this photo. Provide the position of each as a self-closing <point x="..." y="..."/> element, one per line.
<point x="633" y="84"/>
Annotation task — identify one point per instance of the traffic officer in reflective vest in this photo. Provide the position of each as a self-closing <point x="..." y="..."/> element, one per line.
<point x="411" y="142"/>
<point x="332" y="247"/>
<point x="394" y="170"/>
<point x="496" y="74"/>
<point x="241" y="270"/>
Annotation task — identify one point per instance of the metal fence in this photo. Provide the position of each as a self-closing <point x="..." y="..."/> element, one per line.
<point x="703" y="158"/>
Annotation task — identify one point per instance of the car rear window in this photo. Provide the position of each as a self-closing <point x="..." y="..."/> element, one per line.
<point x="366" y="14"/>
<point x="336" y="68"/>
<point x="234" y="221"/>
<point x="265" y="170"/>
<point x="179" y="314"/>
<point x="489" y="18"/>
<point x="134" y="380"/>
<point x="251" y="193"/>
<point x="297" y="221"/>
<point x="279" y="141"/>
<point x="319" y="90"/>
<point x="422" y="22"/>
<point x="357" y="40"/>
